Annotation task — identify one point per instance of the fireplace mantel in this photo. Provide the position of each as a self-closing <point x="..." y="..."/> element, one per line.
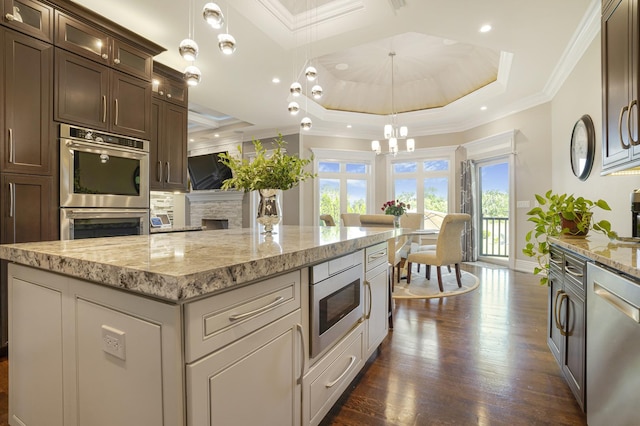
<point x="213" y="195"/>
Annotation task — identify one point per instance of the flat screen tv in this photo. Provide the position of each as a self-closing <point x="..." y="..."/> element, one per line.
<point x="207" y="172"/>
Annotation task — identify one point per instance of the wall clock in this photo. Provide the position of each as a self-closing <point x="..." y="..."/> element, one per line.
<point x="583" y="141"/>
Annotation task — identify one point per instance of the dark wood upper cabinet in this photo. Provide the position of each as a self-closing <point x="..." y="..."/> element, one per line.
<point x="29" y="140"/>
<point x="168" y="149"/>
<point x="29" y="17"/>
<point x="620" y="85"/>
<point x="168" y="85"/>
<point x="90" y="42"/>
<point x="93" y="95"/>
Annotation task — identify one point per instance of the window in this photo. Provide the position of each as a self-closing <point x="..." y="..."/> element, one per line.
<point x="424" y="181"/>
<point x="344" y="182"/>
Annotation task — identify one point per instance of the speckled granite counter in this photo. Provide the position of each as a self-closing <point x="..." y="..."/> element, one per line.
<point x="185" y="265"/>
<point x="175" y="229"/>
<point x="620" y="255"/>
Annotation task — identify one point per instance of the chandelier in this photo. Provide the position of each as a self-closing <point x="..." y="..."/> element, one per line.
<point x="392" y="131"/>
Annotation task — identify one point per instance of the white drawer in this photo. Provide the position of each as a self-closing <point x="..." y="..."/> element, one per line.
<point x="328" y="379"/>
<point x="324" y="270"/>
<point x="216" y="321"/>
<point x="376" y="255"/>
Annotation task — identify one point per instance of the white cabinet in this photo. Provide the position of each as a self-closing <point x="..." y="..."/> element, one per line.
<point x="376" y="297"/>
<point x="253" y="381"/>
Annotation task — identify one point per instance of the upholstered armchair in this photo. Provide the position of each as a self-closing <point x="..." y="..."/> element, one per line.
<point x="327" y="219"/>
<point x="350" y="219"/>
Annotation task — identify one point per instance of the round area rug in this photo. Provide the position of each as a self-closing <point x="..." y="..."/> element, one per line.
<point x="421" y="288"/>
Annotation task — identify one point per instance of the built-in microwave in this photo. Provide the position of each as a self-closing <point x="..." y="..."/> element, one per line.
<point x="102" y="170"/>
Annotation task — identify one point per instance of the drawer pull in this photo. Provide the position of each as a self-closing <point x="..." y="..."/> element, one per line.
<point x="555" y="262"/>
<point x="333" y="383"/>
<point x="236" y="317"/>
<point x="377" y="256"/>
<point x="617" y="302"/>
<point x="572" y="271"/>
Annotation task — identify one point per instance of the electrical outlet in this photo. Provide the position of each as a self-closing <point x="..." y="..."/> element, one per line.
<point x="523" y="204"/>
<point x="113" y="341"/>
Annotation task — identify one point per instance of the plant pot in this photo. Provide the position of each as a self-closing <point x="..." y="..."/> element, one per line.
<point x="268" y="209"/>
<point x="572" y="225"/>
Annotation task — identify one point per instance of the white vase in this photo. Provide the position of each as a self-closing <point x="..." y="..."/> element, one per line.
<point x="268" y="209"/>
<point x="396" y="221"/>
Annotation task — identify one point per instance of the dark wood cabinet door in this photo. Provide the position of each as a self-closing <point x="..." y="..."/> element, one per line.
<point x="127" y="58"/>
<point x="82" y="39"/>
<point x="28" y="81"/>
<point x="574" y="360"/>
<point x="29" y="17"/>
<point x="27" y="206"/>
<point x="155" y="155"/>
<point x="554" y="337"/>
<point x="174" y="146"/>
<point x="130" y="106"/>
<point x="81" y="91"/>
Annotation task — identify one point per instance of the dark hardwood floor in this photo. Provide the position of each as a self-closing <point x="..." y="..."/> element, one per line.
<point x="476" y="359"/>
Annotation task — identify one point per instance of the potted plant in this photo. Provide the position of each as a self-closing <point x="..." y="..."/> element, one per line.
<point x="561" y="214"/>
<point x="268" y="172"/>
<point x="395" y="208"/>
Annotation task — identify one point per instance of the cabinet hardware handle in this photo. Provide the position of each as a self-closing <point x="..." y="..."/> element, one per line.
<point x="555" y="309"/>
<point x="159" y="171"/>
<point x="571" y="271"/>
<point x="368" y="284"/>
<point x="620" y="304"/>
<point x="169" y="95"/>
<point x="624" y="146"/>
<point x="235" y="317"/>
<point x="168" y="172"/>
<point x="12" y="196"/>
<point x="105" y="56"/>
<point x="9" y="17"/>
<point x="555" y="262"/>
<point x="161" y="93"/>
<point x="116" y="61"/>
<point x="11" y="153"/>
<point x="104" y="109"/>
<point x="377" y="256"/>
<point x="631" y="105"/>
<point x="351" y="362"/>
<point x="564" y="297"/>
<point x="303" y="358"/>
<point x="116" y="120"/>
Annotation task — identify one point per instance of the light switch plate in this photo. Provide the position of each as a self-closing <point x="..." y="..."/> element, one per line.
<point x="523" y="204"/>
<point x="113" y="342"/>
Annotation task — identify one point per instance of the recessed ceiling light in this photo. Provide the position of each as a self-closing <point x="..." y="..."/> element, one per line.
<point x="485" y="28"/>
<point x="348" y="126"/>
<point x="191" y="140"/>
<point x="275" y="80"/>
<point x="342" y="67"/>
<point x="483" y="108"/>
<point x="216" y="135"/>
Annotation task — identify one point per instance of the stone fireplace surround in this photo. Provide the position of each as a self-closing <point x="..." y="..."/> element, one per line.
<point x="215" y="207"/>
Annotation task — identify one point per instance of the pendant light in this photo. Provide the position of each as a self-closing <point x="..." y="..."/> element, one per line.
<point x="212" y="13"/>
<point x="226" y="42"/>
<point x="188" y="48"/>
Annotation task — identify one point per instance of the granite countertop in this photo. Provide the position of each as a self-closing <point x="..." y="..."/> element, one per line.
<point x="176" y="229"/>
<point x="620" y="255"/>
<point x="180" y="266"/>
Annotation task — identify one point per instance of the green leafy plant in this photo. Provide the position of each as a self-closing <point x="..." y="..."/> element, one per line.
<point x="395" y="207"/>
<point x="268" y="170"/>
<point x="556" y="215"/>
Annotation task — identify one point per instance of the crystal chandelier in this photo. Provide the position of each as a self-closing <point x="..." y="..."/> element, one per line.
<point x="392" y="131"/>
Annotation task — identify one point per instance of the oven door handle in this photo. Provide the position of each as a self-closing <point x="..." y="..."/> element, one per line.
<point x="107" y="212"/>
<point x="97" y="147"/>
<point x="235" y="317"/>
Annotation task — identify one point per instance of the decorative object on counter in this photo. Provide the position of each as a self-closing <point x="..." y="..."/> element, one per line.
<point x="583" y="142"/>
<point x="395" y="208"/>
<point x="561" y="214"/>
<point x="268" y="172"/>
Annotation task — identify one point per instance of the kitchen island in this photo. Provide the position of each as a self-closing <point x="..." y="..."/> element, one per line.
<point x="181" y="328"/>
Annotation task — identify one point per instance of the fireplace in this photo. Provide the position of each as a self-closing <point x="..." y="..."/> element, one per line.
<point x="215" y="209"/>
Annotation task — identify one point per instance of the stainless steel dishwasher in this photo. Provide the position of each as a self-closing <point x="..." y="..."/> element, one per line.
<point x="613" y="348"/>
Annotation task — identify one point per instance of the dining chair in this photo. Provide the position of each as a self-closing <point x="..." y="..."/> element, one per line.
<point x="350" y="219"/>
<point x="448" y="249"/>
<point x="327" y="219"/>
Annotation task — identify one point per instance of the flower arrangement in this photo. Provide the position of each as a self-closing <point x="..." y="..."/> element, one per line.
<point x="275" y="170"/>
<point x="395" y="207"/>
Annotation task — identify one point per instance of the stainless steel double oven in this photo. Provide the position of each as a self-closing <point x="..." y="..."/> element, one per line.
<point x="104" y="184"/>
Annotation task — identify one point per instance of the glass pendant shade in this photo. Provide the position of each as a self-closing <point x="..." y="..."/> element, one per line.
<point x="316" y="91"/>
<point x="388" y="131"/>
<point x="305" y="124"/>
<point x="212" y="13"/>
<point x="296" y="89"/>
<point x="311" y="73"/>
<point x="226" y="43"/>
<point x="294" y="108"/>
<point x="375" y="146"/>
<point x="188" y="49"/>
<point x="404" y="131"/>
<point x="393" y="145"/>
<point x="411" y="145"/>
<point x="192" y="75"/>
